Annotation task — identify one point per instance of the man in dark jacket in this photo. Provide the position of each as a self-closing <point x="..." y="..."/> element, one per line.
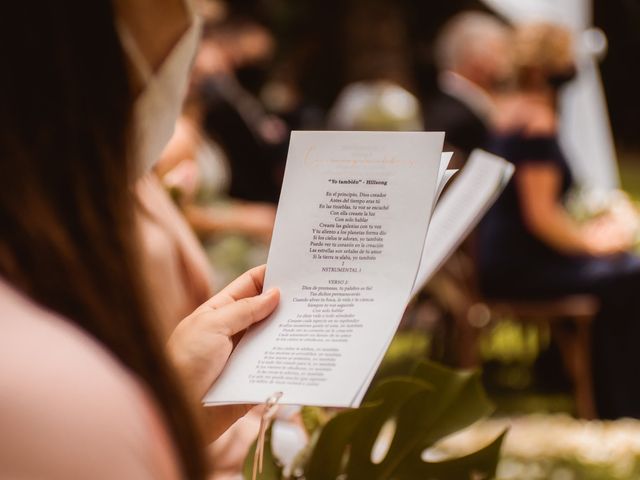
<point x="473" y="59"/>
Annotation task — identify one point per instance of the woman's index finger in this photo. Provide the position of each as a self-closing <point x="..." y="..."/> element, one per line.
<point x="247" y="285"/>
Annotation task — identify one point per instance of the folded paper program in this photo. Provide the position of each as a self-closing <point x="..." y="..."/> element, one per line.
<point x="349" y="239"/>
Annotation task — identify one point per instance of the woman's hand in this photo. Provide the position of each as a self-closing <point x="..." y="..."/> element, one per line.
<point x="538" y="188"/>
<point x="606" y="236"/>
<point x="201" y="344"/>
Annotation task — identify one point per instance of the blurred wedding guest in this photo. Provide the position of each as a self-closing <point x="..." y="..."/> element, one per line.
<point x="194" y="167"/>
<point x="283" y="96"/>
<point x="531" y="247"/>
<point x="253" y="140"/>
<point x="89" y="388"/>
<point x="472" y="57"/>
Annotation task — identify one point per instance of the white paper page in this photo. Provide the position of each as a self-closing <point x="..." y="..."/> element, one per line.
<point x="460" y="209"/>
<point x="337" y="309"/>
<point x="444" y="175"/>
<point x="445" y="160"/>
<point x="458" y="212"/>
<point x="448" y="175"/>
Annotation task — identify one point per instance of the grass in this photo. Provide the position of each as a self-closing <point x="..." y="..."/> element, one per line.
<point x="630" y="173"/>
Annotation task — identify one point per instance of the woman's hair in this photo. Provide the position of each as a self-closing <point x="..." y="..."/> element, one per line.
<point x="540" y="50"/>
<point x="67" y="233"/>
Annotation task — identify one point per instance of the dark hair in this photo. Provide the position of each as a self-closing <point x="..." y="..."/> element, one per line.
<point x="66" y="204"/>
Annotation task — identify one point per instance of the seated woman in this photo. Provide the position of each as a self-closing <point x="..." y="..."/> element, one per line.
<point x="529" y="245"/>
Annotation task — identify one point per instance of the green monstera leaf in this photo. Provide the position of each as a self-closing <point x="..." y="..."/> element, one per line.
<point x="412" y="413"/>
<point x="426" y="407"/>
<point x="335" y="439"/>
<point x="480" y="465"/>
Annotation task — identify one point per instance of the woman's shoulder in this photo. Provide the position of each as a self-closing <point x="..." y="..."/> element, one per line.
<point x="67" y="408"/>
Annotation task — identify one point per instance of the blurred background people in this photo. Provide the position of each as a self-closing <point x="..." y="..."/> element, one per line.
<point x="369" y="65"/>
<point x="198" y="173"/>
<point x="253" y="140"/>
<point x="472" y="57"/>
<point x="528" y="244"/>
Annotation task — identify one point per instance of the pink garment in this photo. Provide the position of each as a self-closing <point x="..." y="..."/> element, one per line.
<point x="68" y="410"/>
<point x="174" y="263"/>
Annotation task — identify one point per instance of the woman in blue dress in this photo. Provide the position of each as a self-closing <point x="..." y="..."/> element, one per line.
<point x="529" y="247"/>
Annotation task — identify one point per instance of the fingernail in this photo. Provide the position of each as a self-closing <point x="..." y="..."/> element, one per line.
<point x="270" y="292"/>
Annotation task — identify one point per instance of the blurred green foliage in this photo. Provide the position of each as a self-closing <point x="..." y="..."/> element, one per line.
<point x="421" y="409"/>
<point x="630" y="173"/>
